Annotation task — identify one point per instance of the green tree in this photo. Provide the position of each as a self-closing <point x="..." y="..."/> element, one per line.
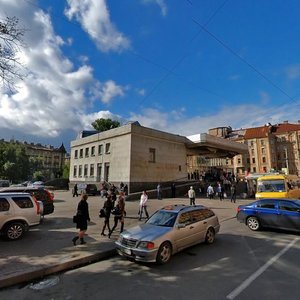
<point x="105" y="124"/>
<point x="66" y="171"/>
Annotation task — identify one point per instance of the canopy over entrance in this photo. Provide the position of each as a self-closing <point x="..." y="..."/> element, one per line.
<point x="204" y="144"/>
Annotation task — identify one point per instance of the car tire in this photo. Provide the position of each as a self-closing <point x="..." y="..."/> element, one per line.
<point x="164" y="253"/>
<point x="253" y="223"/>
<point x="14" y="231"/>
<point x="210" y="236"/>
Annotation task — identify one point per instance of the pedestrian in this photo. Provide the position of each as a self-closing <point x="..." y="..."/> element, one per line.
<point x="220" y="191"/>
<point x="159" y="192"/>
<point x="143" y="205"/>
<point x="192" y="195"/>
<point x="75" y="190"/>
<point x="173" y="190"/>
<point x="233" y="193"/>
<point x="119" y="212"/>
<point x="82" y="218"/>
<point x="107" y="206"/>
<point x="210" y="192"/>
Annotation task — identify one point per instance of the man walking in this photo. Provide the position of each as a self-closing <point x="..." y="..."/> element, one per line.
<point x="192" y="195"/>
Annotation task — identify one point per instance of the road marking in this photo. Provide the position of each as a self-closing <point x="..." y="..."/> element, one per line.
<point x="262" y="269"/>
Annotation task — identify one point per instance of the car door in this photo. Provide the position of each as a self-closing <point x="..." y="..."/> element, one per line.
<point x="266" y="211"/>
<point x="289" y="215"/>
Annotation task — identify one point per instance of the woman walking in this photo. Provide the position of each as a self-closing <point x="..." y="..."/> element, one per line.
<point x="82" y="218"/>
<point x="143" y="205"/>
<point x="108" y="206"/>
<point x="119" y="213"/>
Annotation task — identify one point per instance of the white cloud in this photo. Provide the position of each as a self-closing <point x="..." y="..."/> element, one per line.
<point x="55" y="95"/>
<point x="293" y="72"/>
<point x="93" y="15"/>
<point x="160" y="3"/>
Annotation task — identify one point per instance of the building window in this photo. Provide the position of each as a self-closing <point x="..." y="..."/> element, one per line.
<point x="100" y="149"/>
<point x="239" y="161"/>
<point x="251" y="143"/>
<point x="76" y="154"/>
<point x="81" y="153"/>
<point x="263" y="151"/>
<point x="248" y="160"/>
<point x="179" y="168"/>
<point x="254" y="170"/>
<point x="86" y="152"/>
<point x="265" y="169"/>
<point x="152" y="155"/>
<point x="253" y="160"/>
<point x="107" y="148"/>
<point x="85" y="170"/>
<point x="262" y="142"/>
<point x="92" y="170"/>
<point x="252" y="151"/>
<point x="263" y="159"/>
<point x="80" y="171"/>
<point x="75" y="171"/>
<point x="93" y="151"/>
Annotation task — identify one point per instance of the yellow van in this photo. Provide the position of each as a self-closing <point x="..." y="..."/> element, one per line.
<point x="278" y="186"/>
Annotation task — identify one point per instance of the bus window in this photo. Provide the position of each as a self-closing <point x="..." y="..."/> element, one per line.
<point x="271" y="186"/>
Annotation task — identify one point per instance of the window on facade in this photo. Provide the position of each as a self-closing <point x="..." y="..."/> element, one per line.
<point x="92" y="170"/>
<point x="248" y="160"/>
<point x="239" y="161"/>
<point x="86" y="152"/>
<point x="80" y="171"/>
<point x="81" y="153"/>
<point x="179" y="168"/>
<point x="100" y="149"/>
<point x="76" y="154"/>
<point x="252" y="151"/>
<point x="152" y="155"/>
<point x="253" y="160"/>
<point x="254" y="170"/>
<point x="85" y="170"/>
<point x="93" y="151"/>
<point x="75" y="171"/>
<point x="262" y="142"/>
<point x="263" y="151"/>
<point x="107" y="148"/>
<point x="263" y="159"/>
<point x="251" y="143"/>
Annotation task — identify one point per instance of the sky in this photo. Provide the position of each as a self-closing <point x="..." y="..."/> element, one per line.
<point x="180" y="66"/>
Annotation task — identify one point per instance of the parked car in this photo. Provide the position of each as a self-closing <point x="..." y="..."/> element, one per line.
<point x="4" y="183"/>
<point x="168" y="231"/>
<point x="40" y="193"/>
<point x="18" y="212"/>
<point x="87" y="188"/>
<point x="272" y="213"/>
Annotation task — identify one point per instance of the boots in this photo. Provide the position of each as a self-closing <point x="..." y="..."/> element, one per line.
<point x="74" y="240"/>
<point x="82" y="241"/>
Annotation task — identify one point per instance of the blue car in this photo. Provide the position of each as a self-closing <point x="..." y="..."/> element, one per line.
<point x="272" y="213"/>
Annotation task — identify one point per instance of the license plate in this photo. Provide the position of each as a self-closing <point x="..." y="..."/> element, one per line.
<point x="127" y="251"/>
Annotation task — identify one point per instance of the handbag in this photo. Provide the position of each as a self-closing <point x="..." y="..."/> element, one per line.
<point x="102" y="213"/>
<point x="75" y="219"/>
<point x="116" y="211"/>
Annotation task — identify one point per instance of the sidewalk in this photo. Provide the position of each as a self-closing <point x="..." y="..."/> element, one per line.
<point x="47" y="249"/>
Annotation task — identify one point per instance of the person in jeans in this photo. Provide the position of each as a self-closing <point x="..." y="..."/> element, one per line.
<point x="120" y="213"/>
<point x="108" y="206"/>
<point x="210" y="192"/>
<point x="82" y="218"/>
<point x="192" y="195"/>
<point x="143" y="205"/>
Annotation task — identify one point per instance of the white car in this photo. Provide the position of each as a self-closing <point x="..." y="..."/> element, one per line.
<point x="18" y="212"/>
<point x="168" y="231"/>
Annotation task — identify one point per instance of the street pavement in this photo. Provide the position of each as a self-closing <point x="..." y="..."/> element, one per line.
<point x="47" y="249"/>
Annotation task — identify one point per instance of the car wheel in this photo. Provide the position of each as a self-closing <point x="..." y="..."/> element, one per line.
<point x="164" y="253"/>
<point x="253" y="223"/>
<point x="210" y="236"/>
<point x="14" y="231"/>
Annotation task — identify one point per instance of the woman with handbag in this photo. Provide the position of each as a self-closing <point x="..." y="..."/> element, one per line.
<point x="119" y="213"/>
<point x="107" y="207"/>
<point x="82" y="217"/>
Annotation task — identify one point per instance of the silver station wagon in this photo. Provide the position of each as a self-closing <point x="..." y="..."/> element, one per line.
<point x="168" y="231"/>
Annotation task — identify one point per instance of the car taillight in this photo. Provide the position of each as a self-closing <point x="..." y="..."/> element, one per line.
<point x="238" y="209"/>
<point x="37" y="205"/>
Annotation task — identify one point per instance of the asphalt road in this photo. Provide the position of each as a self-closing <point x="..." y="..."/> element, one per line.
<point x="241" y="264"/>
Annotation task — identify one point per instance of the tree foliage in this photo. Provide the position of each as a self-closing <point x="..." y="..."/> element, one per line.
<point x="11" y="41"/>
<point x="105" y="124"/>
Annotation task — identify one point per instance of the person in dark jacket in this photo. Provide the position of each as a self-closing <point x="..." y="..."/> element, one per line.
<point x="108" y="206"/>
<point x="120" y="215"/>
<point x="82" y="218"/>
<point x="75" y="190"/>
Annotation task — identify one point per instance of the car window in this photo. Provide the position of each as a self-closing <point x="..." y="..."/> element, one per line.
<point x="163" y="218"/>
<point x="23" y="202"/>
<point x="285" y="205"/>
<point x="4" y="205"/>
<point x="266" y="204"/>
<point x="185" y="218"/>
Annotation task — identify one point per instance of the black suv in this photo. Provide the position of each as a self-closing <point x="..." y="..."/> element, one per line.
<point x="40" y="193"/>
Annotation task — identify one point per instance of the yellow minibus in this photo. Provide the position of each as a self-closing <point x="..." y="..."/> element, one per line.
<point x="278" y="186"/>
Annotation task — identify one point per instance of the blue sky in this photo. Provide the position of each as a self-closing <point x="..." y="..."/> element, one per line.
<point x="181" y="66"/>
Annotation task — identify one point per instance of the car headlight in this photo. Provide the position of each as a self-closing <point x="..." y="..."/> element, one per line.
<point x="146" y="245"/>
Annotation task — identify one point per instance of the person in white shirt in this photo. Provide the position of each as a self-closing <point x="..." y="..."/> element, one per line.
<point x="192" y="195"/>
<point x="143" y="205"/>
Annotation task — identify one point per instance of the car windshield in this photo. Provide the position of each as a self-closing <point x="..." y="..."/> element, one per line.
<point x="271" y="186"/>
<point x="163" y="218"/>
